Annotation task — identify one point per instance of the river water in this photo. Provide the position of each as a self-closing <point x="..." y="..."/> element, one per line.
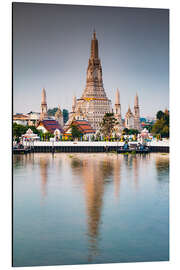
<point x="90" y="208"/>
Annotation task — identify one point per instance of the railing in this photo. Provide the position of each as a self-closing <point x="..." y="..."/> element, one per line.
<point x="84" y="143"/>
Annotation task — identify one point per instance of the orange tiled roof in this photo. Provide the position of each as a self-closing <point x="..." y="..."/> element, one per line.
<point x="83" y="126"/>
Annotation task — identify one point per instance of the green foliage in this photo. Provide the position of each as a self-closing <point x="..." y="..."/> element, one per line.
<point x="127" y="131"/>
<point x="92" y="138"/>
<point x="19" y="130"/>
<point x="51" y="112"/>
<point x="76" y="133"/>
<point x="98" y="137"/>
<point x="149" y="127"/>
<point x="107" y="126"/>
<point x="161" y="126"/>
<point x="65" y="115"/>
<point x="47" y="135"/>
<point x="159" y="115"/>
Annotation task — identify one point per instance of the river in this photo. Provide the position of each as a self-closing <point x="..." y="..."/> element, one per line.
<point x="90" y="208"/>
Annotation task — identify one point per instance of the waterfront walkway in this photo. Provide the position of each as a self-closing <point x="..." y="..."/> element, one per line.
<point x="89" y="147"/>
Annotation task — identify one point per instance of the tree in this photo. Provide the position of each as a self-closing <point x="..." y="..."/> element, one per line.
<point x="127" y="131"/>
<point x="161" y="126"/>
<point x="107" y="126"/>
<point x="76" y="133"/>
<point x="65" y="115"/>
<point x="51" y="112"/>
<point x="47" y="135"/>
<point x="159" y="115"/>
<point x="19" y="130"/>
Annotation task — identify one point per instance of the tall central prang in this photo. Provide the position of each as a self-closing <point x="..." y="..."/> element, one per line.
<point x="94" y="83"/>
<point x="94" y="103"/>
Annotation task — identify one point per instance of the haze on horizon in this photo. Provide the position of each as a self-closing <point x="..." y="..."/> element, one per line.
<point x="51" y="48"/>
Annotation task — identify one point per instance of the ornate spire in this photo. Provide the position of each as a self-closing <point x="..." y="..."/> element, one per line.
<point x="94" y="102"/>
<point x="58" y="112"/>
<point x="74" y="104"/>
<point x="94" y="47"/>
<point x="94" y="33"/>
<point x="136" y="101"/>
<point x="129" y="112"/>
<point x="137" y="124"/>
<point x="117" y="98"/>
<point x="59" y="116"/>
<point x="119" y="126"/>
<point x="43" y="99"/>
<point x="43" y="105"/>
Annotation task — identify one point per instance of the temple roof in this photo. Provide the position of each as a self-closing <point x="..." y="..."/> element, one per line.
<point x="83" y="126"/>
<point x="129" y="112"/>
<point x="50" y="125"/>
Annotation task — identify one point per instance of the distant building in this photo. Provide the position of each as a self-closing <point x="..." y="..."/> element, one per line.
<point x="132" y="121"/>
<point x="21" y="119"/>
<point x="33" y="118"/>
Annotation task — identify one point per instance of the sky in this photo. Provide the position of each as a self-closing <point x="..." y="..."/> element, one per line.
<point x="51" y="48"/>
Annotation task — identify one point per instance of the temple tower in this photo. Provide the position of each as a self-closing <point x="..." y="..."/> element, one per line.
<point x="117" y="103"/>
<point x="74" y="104"/>
<point x="43" y="105"/>
<point x="136" y="113"/>
<point x="129" y="119"/>
<point x="117" y="114"/>
<point x="94" y="102"/>
<point x="59" y="117"/>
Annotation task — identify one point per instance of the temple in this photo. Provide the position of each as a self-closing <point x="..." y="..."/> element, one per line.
<point x="93" y="104"/>
<point x="91" y="107"/>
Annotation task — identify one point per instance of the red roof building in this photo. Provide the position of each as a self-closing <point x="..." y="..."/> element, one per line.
<point x="49" y="126"/>
<point x="83" y="126"/>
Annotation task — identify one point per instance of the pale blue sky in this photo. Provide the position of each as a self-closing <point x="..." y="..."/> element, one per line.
<point x="51" y="48"/>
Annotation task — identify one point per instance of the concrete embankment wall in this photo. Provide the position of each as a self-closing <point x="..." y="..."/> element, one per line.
<point x="89" y="147"/>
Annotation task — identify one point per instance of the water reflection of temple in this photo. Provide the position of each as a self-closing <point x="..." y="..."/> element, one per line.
<point x="96" y="174"/>
<point x="117" y="176"/>
<point x="94" y="190"/>
<point x="135" y="163"/>
<point x="43" y="164"/>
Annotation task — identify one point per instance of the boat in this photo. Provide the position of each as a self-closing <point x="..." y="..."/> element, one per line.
<point x="134" y="148"/>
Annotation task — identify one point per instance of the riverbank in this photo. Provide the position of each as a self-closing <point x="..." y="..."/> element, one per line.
<point x="92" y="147"/>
